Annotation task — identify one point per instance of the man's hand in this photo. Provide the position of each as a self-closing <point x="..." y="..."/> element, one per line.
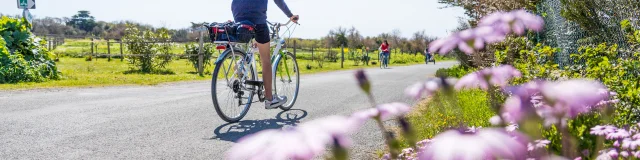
<point x="295" y="18"/>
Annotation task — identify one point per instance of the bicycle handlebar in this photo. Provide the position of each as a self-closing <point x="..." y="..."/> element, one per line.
<point x="280" y="24"/>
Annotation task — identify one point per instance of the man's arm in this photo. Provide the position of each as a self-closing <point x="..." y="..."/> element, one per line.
<point x="283" y="7"/>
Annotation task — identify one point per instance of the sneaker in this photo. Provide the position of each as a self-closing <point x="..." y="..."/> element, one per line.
<point x="275" y="103"/>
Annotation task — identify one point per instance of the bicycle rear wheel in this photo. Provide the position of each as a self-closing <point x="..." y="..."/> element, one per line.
<point x="287" y="79"/>
<point x="231" y="96"/>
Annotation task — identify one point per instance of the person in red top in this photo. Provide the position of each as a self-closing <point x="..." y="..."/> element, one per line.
<point x="385" y="53"/>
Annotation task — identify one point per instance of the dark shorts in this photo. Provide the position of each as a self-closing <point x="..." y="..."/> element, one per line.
<point x="262" y="33"/>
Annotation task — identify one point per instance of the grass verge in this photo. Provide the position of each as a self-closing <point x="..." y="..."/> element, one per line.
<point x="76" y="72"/>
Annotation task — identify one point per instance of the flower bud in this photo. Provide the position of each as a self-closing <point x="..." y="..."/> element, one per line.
<point x="407" y="130"/>
<point x="339" y="153"/>
<point x="363" y="81"/>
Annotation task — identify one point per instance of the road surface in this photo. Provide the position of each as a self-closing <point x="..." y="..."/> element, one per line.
<point x="177" y="120"/>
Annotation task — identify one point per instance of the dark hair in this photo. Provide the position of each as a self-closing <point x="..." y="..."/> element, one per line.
<point x="385" y="41"/>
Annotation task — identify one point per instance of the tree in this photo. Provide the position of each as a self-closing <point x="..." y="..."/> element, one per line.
<point x="476" y="9"/>
<point x="354" y="38"/>
<point x="83" y="20"/>
<point x="337" y="37"/>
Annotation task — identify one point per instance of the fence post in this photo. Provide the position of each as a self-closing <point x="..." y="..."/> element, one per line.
<point x="92" y="53"/>
<point x="294" y="48"/>
<point x="49" y="44"/>
<point x="342" y="50"/>
<point x="109" y="49"/>
<point x="312" y="55"/>
<point x="200" y="55"/>
<point x="121" y="52"/>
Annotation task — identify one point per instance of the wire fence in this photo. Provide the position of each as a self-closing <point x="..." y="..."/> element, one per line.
<point x="569" y="36"/>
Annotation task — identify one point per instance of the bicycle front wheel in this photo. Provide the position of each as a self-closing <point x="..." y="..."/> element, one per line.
<point x="231" y="96"/>
<point x="287" y="79"/>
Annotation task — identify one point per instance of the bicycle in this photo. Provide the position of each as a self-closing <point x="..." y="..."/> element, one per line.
<point x="238" y="86"/>
<point x="430" y="58"/>
<point x="384" y="61"/>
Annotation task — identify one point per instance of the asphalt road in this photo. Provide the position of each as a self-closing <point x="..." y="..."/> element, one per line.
<point x="177" y="120"/>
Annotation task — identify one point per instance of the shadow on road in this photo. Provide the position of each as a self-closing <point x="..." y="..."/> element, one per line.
<point x="234" y="131"/>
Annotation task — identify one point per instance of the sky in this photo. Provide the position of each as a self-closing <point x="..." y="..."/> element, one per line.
<point x="317" y="17"/>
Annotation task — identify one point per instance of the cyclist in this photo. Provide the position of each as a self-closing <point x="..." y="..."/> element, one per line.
<point x="427" y="56"/>
<point x="384" y="47"/>
<point x="255" y="11"/>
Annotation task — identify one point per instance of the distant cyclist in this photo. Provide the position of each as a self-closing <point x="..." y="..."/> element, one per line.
<point x="427" y="56"/>
<point x="255" y="11"/>
<point x="384" y="48"/>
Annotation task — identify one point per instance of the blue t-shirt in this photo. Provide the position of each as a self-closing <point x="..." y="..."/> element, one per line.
<point x="255" y="10"/>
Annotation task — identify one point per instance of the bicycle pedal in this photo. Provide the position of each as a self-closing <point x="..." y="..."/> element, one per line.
<point x="254" y="83"/>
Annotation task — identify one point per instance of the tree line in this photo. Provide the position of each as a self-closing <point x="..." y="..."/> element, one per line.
<point x="83" y="24"/>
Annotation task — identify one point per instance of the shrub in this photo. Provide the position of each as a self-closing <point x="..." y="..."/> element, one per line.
<point x="23" y="57"/>
<point x="455" y="71"/>
<point x="193" y="49"/>
<point x="621" y="75"/>
<point x="152" y="49"/>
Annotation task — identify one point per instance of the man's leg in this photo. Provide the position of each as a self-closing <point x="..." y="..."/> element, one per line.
<point x="265" y="59"/>
<point x="262" y="37"/>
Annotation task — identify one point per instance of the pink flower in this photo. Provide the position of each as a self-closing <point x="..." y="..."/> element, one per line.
<point x="445" y="45"/>
<point x="573" y="96"/>
<point x="385" y="111"/>
<point x="485" y="144"/>
<point x="628" y="143"/>
<point x="512" y="127"/>
<point x="515" y="21"/>
<point x="514" y="109"/>
<point x="538" y="144"/>
<point x="496" y="76"/>
<point x="391" y="110"/>
<point x="415" y="91"/>
<point x="618" y="134"/>
<point x="613" y="154"/>
<point x="636" y="137"/>
<point x="303" y="142"/>
<point x="386" y="156"/>
<point x="420" y="89"/>
<point x="624" y="154"/>
<point x="473" y="129"/>
<point x="636" y="154"/>
<point x="331" y="128"/>
<point x="495" y="120"/>
<point x="602" y="130"/>
<point x="467" y="41"/>
<point x="423" y="143"/>
<point x="362" y="116"/>
<point x="273" y="144"/>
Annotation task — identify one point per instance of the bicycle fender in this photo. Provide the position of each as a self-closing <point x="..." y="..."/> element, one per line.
<point x="221" y="57"/>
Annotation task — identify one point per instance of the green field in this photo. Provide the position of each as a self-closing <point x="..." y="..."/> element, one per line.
<point x="82" y="48"/>
<point x="77" y="72"/>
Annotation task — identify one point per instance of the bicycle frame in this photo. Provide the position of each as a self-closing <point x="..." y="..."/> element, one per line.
<point x="275" y="57"/>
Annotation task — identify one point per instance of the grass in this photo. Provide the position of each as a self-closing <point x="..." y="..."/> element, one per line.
<point x="76" y="72"/>
<point x="432" y="117"/>
<point x="81" y="47"/>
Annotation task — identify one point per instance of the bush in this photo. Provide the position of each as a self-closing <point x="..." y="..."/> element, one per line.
<point x="153" y="47"/>
<point x="455" y="71"/>
<point x="23" y="57"/>
<point x="193" y="49"/>
<point x="621" y="75"/>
